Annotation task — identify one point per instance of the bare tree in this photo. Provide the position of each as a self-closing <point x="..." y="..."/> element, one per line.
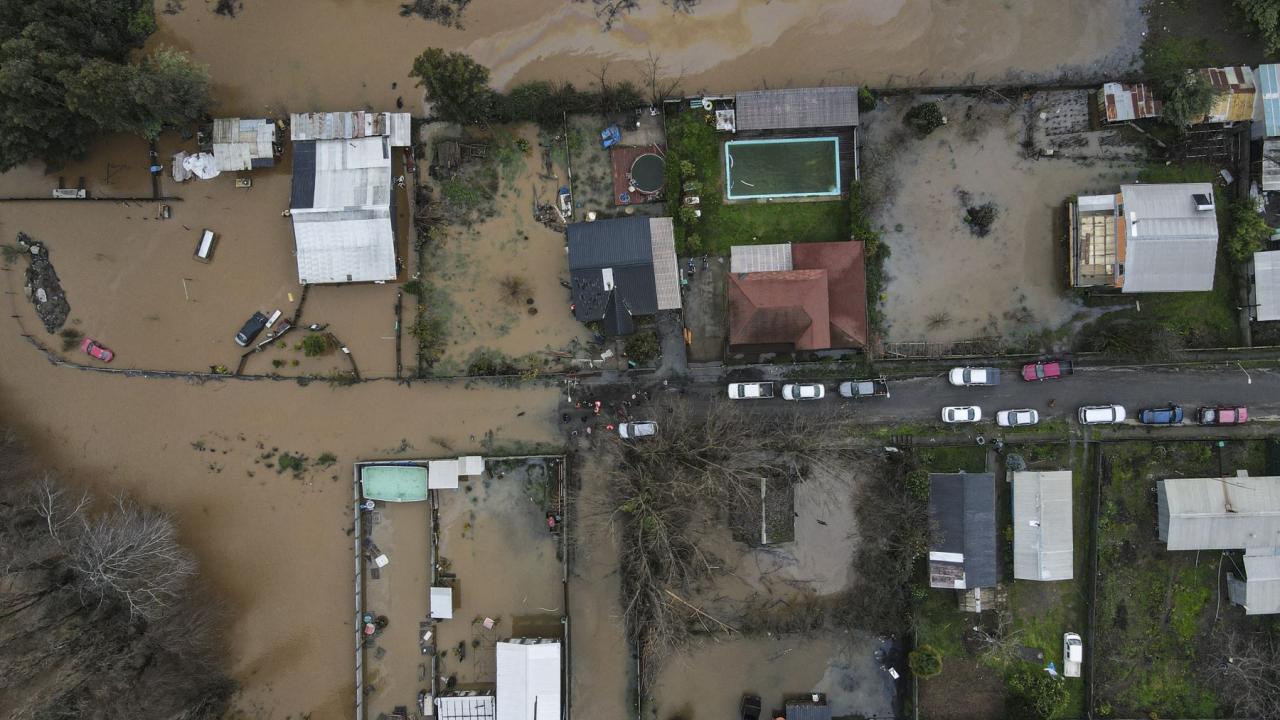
<point x="659" y="88"/>
<point x="1247" y="671"/>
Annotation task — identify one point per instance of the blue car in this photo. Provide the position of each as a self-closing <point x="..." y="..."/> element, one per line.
<point x="1171" y="415"/>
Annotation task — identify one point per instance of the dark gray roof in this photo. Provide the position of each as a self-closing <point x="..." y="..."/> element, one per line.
<point x="620" y="249"/>
<point x="962" y="508"/>
<point x="805" y="710"/>
<point x="795" y="108"/>
<point x="304" y="175"/>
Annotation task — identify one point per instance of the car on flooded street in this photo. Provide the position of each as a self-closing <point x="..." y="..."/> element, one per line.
<point x="1047" y="370"/>
<point x="973" y="376"/>
<point x="1017" y="418"/>
<point x="1223" y="415"/>
<point x="251" y="328"/>
<point x="961" y="414"/>
<point x="803" y="391"/>
<point x="637" y="430"/>
<point x="96" y="351"/>
<point x="1170" y="415"/>
<point x="1101" y="414"/>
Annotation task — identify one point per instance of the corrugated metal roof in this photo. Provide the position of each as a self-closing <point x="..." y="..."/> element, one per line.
<point x="1271" y="164"/>
<point x="962" y="550"/>
<point x="666" y="276"/>
<point x="1259" y="591"/>
<point x="1266" y="285"/>
<point x="467" y="706"/>
<point x="1123" y="103"/>
<point x="797" y="108"/>
<point x="345" y="125"/>
<point x="760" y="258"/>
<point x="609" y="243"/>
<point x="243" y="143"/>
<point x="1042" y="530"/>
<point x="808" y="710"/>
<point x="1170" y="246"/>
<point x="1237" y="93"/>
<point x="1269" y="84"/>
<point x="1219" y="513"/>
<point x="528" y="680"/>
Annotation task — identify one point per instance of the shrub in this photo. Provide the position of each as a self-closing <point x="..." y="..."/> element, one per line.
<point x="867" y="100"/>
<point x="1035" y="695"/>
<point x="326" y="459"/>
<point x="925" y="118"/>
<point x="316" y="344"/>
<point x="980" y="218"/>
<point x="70" y="339"/>
<point x="1247" y="231"/>
<point x="688" y="215"/>
<point x="918" y="484"/>
<point x="925" y="661"/>
<point x="643" y="347"/>
<point x="414" y="287"/>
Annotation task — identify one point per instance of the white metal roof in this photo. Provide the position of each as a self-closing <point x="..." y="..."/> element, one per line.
<point x="344" y="246"/>
<point x="1259" y="591"/>
<point x="759" y="258"/>
<point x="666" y="274"/>
<point x="1219" y="513"/>
<point x="357" y="124"/>
<point x="1266" y="285"/>
<point x="237" y="142"/>
<point x="442" y="474"/>
<point x="1170" y="245"/>
<point x="466" y="705"/>
<point x="442" y="603"/>
<point x="471" y="465"/>
<point x="1042" y="530"/>
<point x="528" y="679"/>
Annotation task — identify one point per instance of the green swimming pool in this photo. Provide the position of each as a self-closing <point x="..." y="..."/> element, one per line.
<point x="782" y="168"/>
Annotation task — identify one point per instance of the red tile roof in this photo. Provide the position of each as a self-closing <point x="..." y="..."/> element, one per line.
<point x="820" y="304"/>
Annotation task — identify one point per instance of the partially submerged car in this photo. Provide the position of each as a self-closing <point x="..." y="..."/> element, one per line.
<point x="1171" y="415"/>
<point x="1223" y="415"/>
<point x="637" y="430"/>
<point x="803" y="391"/>
<point x="750" y="709"/>
<point x="1047" y="370"/>
<point x="1101" y="414"/>
<point x="875" y="387"/>
<point x="96" y="351"/>
<point x="973" y="376"/>
<point x="1017" y="418"/>
<point x="750" y="390"/>
<point x="251" y="328"/>
<point x="961" y="414"/>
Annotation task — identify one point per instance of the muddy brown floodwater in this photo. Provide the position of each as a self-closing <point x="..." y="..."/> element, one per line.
<point x="330" y="54"/>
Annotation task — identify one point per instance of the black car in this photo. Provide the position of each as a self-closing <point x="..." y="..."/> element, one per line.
<point x="252" y="327"/>
<point x="750" y="707"/>
<point x="1171" y="415"/>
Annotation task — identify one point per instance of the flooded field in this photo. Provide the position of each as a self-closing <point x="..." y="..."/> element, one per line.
<point x="723" y="45"/>
<point x="946" y="283"/>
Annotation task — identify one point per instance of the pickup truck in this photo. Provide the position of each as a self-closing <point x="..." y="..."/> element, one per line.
<point x="1047" y="370"/>
<point x="750" y="391"/>
<point x="1223" y="415"/>
<point x="1072" y="655"/>
<point x="875" y="387"/>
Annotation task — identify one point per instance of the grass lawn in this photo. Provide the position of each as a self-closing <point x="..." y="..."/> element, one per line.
<point x="775" y="168"/>
<point x="1155" y="608"/>
<point x="695" y="162"/>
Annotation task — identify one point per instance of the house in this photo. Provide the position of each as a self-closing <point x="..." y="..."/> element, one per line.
<point x="1264" y="286"/>
<point x="1119" y="102"/>
<point x="1042" y="530"/>
<point x="243" y="144"/>
<point x="1236" y="94"/>
<point x="1258" y="592"/>
<point x="796" y="108"/>
<point x="1219" y="513"/>
<point x="346" y="125"/>
<point x="528" y="679"/>
<point x="802" y="296"/>
<point x="1145" y="238"/>
<point x="622" y="269"/>
<point x="962" y="544"/>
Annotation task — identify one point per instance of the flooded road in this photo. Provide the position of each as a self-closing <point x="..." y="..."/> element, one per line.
<point x="324" y="54"/>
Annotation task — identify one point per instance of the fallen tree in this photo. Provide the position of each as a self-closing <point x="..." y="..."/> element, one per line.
<point x="99" y="613"/>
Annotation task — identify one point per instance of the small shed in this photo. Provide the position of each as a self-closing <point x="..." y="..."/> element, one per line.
<point x="441" y="603"/>
<point x="1265" y="288"/>
<point x="1236" y="94"/>
<point x="962" y="546"/>
<point x="528" y="679"/>
<point x="1042" y="530"/>
<point x="1120" y="102"/>
<point x="442" y="474"/>
<point x="470" y="465"/>
<point x="1258" y="592"/>
<point x="796" y="108"/>
<point x="467" y="705"/>
<point x="347" y="125"/>
<point x="394" y="483"/>
<point x="1221" y="513"/>
<point x="243" y="143"/>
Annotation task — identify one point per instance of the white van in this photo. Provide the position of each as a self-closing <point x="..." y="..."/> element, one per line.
<point x="204" y="248"/>
<point x="1101" y="414"/>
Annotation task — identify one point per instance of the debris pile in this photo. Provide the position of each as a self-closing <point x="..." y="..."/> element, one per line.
<point x="43" y="287"/>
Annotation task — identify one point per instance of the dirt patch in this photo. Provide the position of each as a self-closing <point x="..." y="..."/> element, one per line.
<point x="948" y="283"/>
<point x="966" y="690"/>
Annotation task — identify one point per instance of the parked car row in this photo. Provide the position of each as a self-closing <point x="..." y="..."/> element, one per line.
<point x="851" y="389"/>
<point x="1173" y="414"/>
<point x="1031" y="372"/>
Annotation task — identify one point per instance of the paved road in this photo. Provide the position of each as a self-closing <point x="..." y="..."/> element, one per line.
<point x="920" y="400"/>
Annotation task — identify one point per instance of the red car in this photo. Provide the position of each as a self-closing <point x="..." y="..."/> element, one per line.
<point x="96" y="351"/>
<point x="1046" y="370"/>
<point x="1228" y="415"/>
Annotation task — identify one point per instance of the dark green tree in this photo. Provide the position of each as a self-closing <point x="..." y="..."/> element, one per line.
<point x="1033" y="694"/>
<point x="925" y="118"/>
<point x="456" y="85"/>
<point x="1248" y="230"/>
<point x="1188" y="100"/>
<point x="1265" y="15"/>
<point x="47" y="44"/>
<point x="925" y="661"/>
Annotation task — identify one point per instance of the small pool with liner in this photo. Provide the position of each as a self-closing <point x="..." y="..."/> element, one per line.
<point x="782" y="168"/>
<point x="647" y="173"/>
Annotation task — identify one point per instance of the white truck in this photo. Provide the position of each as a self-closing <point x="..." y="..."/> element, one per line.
<point x="1072" y="655"/>
<point x="750" y="391"/>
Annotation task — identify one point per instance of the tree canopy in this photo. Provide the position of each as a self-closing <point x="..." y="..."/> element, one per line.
<point x="68" y="73"/>
<point x="1265" y="15"/>
<point x="457" y="85"/>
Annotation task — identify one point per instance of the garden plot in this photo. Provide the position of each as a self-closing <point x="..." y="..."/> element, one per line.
<point x="947" y="282"/>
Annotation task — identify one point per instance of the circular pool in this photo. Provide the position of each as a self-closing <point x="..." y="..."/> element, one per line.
<point x="647" y="173"/>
